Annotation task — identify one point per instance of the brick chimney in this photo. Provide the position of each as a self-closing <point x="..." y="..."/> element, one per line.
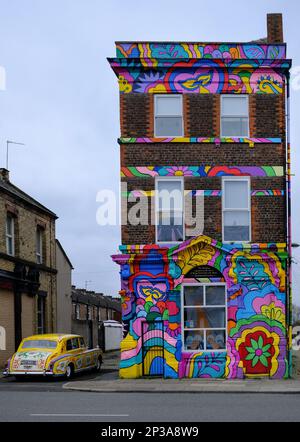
<point x="4" y="175"/>
<point x="275" y="28"/>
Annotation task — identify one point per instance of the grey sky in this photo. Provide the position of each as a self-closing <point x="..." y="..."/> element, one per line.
<point x="62" y="101"/>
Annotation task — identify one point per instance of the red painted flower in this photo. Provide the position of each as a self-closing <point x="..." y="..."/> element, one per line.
<point x="257" y="352"/>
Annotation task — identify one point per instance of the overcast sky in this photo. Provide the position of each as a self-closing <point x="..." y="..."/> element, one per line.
<point x="61" y="99"/>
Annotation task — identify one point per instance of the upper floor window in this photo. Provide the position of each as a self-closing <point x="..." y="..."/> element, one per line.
<point x="169" y="210"/>
<point x="236" y="209"/>
<point x="234" y="116"/>
<point x="10" y="235"/>
<point x="168" y="116"/>
<point x="39" y="245"/>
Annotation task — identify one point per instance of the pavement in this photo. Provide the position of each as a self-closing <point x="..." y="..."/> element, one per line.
<point x="116" y="385"/>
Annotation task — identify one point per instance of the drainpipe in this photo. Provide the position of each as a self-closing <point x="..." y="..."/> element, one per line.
<point x="289" y="225"/>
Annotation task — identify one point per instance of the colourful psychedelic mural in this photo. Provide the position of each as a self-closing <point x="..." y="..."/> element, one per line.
<point x="230" y="51"/>
<point x="254" y="275"/>
<point x="202" y="171"/>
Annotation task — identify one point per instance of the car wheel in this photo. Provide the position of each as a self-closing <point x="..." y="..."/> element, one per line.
<point x="69" y="371"/>
<point x="98" y="365"/>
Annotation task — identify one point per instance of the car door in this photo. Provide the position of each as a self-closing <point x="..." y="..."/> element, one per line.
<point x="73" y="348"/>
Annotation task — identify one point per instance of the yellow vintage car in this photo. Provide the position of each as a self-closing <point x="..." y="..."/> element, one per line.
<point x="53" y="355"/>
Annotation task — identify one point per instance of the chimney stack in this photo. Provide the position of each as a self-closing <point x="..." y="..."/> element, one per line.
<point x="275" y="28"/>
<point x="4" y="175"/>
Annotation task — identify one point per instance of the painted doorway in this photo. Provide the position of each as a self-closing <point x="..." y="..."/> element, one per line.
<point x="153" y="348"/>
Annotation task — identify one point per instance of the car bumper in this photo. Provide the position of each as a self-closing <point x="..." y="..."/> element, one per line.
<point x="45" y="373"/>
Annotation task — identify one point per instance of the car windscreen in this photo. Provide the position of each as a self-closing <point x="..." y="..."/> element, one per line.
<point x="40" y="343"/>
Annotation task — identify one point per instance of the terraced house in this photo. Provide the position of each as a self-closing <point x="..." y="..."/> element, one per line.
<point x="28" y="275"/>
<point x="205" y="275"/>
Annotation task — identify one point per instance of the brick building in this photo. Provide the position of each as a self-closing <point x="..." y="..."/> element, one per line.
<point x="206" y="287"/>
<point x="27" y="266"/>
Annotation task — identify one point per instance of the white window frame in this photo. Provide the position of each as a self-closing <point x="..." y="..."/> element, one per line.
<point x="224" y="209"/>
<point x="181" y="180"/>
<point x="10" y="237"/>
<point x="170" y="96"/>
<point x="39" y="243"/>
<point x="235" y="96"/>
<point x="198" y="284"/>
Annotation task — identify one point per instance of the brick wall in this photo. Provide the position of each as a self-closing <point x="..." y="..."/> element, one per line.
<point x="190" y="154"/>
<point x="135" y="112"/>
<point x="202" y="115"/>
<point x="202" y="119"/>
<point x="268" y="213"/>
<point x="267" y="116"/>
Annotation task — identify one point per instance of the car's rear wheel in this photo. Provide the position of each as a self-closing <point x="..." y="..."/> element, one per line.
<point x="98" y="365"/>
<point x="69" y="371"/>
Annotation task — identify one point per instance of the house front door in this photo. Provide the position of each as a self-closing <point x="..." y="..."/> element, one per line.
<point x="153" y="348"/>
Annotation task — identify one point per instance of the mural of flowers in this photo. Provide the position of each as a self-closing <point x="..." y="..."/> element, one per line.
<point x="258" y="352"/>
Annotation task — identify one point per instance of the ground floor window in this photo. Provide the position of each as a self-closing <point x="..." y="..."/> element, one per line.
<point x="204" y="317"/>
<point x="41" y="315"/>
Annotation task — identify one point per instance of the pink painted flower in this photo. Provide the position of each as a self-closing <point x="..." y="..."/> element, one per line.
<point x="179" y="171"/>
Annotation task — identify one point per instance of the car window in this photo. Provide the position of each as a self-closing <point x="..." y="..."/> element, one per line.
<point x="82" y="343"/>
<point x="69" y="344"/>
<point x="40" y="343"/>
<point x="75" y="344"/>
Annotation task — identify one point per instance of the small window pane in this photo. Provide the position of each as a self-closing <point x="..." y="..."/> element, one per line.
<point x="173" y="233"/>
<point x="170" y="194"/>
<point x="194" y="340"/>
<point x="168" y="106"/>
<point x="193" y="295"/>
<point x="235" y="106"/>
<point x="235" y="127"/>
<point x="215" y="340"/>
<point x="236" y="226"/>
<point x="215" y="295"/>
<point x="168" y="127"/>
<point x="9" y="225"/>
<point x="204" y="317"/>
<point x="236" y="194"/>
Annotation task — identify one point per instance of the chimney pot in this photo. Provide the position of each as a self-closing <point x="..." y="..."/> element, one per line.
<point x="4" y="175"/>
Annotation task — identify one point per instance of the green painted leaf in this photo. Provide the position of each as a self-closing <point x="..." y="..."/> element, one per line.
<point x="266" y="347"/>
<point x="254" y="344"/>
<point x="255" y="361"/>
<point x="264" y="360"/>
<point x="260" y="342"/>
<point x="250" y="356"/>
<point x="250" y="350"/>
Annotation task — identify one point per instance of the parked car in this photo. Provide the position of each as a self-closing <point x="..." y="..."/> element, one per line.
<point x="53" y="355"/>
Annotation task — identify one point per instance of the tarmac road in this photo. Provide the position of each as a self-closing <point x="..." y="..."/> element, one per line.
<point x="47" y="401"/>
